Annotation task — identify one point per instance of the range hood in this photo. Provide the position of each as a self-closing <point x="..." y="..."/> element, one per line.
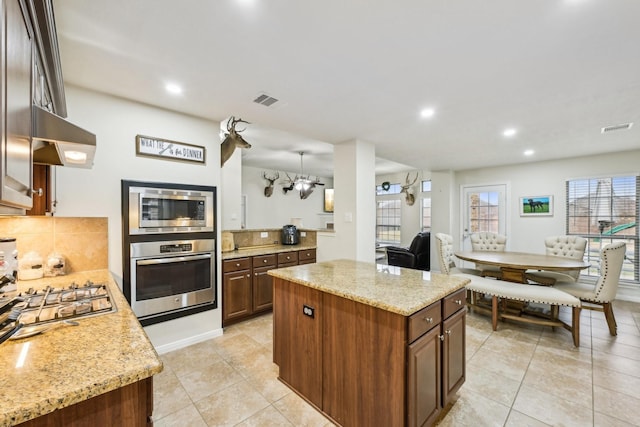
<point x="58" y="142"/>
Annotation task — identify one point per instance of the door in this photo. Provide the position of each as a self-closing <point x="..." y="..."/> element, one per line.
<point x="483" y="209"/>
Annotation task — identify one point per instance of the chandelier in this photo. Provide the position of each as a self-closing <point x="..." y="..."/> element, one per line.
<point x="302" y="183"/>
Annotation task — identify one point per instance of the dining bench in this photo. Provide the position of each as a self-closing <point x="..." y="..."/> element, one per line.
<point x="502" y="291"/>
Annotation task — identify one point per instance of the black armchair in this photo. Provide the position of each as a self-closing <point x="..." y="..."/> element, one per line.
<point x="416" y="256"/>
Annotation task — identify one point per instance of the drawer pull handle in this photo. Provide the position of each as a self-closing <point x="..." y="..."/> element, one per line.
<point x="448" y="332"/>
<point x="458" y="301"/>
<point x="248" y="275"/>
<point x="238" y="265"/>
<point x="428" y="319"/>
<point x="264" y="260"/>
<point x="441" y="337"/>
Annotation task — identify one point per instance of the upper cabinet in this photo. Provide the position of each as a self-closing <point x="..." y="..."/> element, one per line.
<point x="16" y="68"/>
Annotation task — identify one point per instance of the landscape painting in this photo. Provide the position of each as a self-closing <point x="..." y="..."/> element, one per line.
<point x="536" y="205"/>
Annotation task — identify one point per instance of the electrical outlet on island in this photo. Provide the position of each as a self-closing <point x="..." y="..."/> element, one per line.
<point x="264" y="234"/>
<point x="303" y="234"/>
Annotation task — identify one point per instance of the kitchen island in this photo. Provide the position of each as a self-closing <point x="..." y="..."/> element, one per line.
<point x="370" y="344"/>
<point x="96" y="373"/>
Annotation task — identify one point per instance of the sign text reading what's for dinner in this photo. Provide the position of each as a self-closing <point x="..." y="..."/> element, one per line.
<point x="169" y="149"/>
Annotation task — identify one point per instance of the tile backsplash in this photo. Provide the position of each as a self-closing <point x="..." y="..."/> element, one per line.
<point x="83" y="242"/>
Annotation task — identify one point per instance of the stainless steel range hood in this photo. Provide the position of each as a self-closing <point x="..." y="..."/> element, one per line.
<point x="58" y="142"/>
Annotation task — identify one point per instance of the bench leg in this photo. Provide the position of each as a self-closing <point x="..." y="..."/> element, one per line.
<point x="494" y="312"/>
<point x="575" y="326"/>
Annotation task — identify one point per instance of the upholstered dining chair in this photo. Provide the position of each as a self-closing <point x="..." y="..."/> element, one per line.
<point x="444" y="251"/>
<point x="416" y="256"/>
<point x="604" y="291"/>
<point x="488" y="241"/>
<point x="563" y="246"/>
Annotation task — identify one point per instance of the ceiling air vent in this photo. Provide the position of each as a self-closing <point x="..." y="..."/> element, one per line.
<point x="265" y="100"/>
<point x="616" y="127"/>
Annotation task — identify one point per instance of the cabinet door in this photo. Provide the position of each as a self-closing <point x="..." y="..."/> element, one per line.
<point x="453" y="354"/>
<point x="236" y="295"/>
<point x="297" y="337"/>
<point x="262" y="289"/>
<point x="424" y="379"/>
<point x="16" y="67"/>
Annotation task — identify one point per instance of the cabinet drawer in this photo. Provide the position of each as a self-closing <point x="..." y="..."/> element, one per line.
<point x="454" y="302"/>
<point x="289" y="258"/>
<point x="424" y="320"/>
<point x="264" y="261"/>
<point x="307" y="256"/>
<point x="236" y="264"/>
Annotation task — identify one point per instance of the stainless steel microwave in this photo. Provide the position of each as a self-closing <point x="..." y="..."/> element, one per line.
<point x="171" y="209"/>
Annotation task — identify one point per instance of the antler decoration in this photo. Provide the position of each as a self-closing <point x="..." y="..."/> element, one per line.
<point x="232" y="139"/>
<point x="268" y="190"/>
<point x="408" y="191"/>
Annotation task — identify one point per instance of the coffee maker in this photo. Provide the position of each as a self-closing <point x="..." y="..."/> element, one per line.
<point x="289" y="235"/>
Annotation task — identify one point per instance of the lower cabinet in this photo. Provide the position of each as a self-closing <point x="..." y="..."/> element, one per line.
<point x="247" y="289"/>
<point x="436" y="358"/>
<point x="363" y="365"/>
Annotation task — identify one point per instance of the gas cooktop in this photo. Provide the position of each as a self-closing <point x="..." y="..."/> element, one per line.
<point x="53" y="304"/>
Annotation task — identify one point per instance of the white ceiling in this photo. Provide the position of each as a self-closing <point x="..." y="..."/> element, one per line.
<point x="556" y="70"/>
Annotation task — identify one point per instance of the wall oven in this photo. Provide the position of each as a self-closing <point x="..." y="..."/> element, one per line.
<point x="169" y="249"/>
<point x="169" y="276"/>
<point x="163" y="208"/>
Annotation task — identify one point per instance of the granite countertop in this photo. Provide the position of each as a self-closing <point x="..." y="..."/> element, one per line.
<point x="264" y="250"/>
<point x="69" y="364"/>
<point x="398" y="290"/>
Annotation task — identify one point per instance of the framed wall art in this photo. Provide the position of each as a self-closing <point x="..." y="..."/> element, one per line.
<point x="536" y="206"/>
<point x="169" y="150"/>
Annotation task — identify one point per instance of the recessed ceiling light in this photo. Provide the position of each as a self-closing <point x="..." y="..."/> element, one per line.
<point x="427" y="112"/>
<point x="529" y="152"/>
<point x="173" y="88"/>
<point x="509" y="132"/>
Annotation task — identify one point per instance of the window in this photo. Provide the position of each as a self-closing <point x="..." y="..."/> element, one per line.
<point x="393" y="189"/>
<point x="388" y="221"/>
<point x="426" y="214"/>
<point x="425" y="218"/>
<point x="484" y="211"/>
<point x="604" y="210"/>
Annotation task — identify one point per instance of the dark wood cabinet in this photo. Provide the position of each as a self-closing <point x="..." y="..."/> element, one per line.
<point x="306" y="256"/>
<point x="247" y="289"/>
<point x="363" y="365"/>
<point x="236" y="289"/>
<point x="262" y="282"/>
<point x="130" y="405"/>
<point x="287" y="259"/>
<point x="437" y="359"/>
<point x="41" y="199"/>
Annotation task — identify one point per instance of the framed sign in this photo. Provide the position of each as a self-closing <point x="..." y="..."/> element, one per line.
<point x="169" y="150"/>
<point x="536" y="206"/>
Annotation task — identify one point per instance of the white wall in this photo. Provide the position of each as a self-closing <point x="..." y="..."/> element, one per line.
<point x="277" y="210"/>
<point x="542" y="178"/>
<point x="96" y="191"/>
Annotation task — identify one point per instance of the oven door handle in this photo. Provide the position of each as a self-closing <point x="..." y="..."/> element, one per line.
<point x="172" y="259"/>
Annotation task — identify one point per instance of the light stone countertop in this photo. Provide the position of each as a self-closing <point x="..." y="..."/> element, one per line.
<point x="264" y="250"/>
<point x="398" y="290"/>
<point x="69" y="364"/>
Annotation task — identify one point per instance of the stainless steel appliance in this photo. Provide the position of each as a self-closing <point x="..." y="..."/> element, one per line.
<point x="156" y="208"/>
<point x="52" y="304"/>
<point x="170" y="276"/>
<point x="289" y="235"/>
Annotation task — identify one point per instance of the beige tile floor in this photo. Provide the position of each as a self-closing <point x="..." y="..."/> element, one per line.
<point x="519" y="375"/>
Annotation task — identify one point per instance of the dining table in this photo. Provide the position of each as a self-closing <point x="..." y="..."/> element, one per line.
<point x="514" y="265"/>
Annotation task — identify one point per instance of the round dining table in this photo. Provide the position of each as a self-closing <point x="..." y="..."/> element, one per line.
<point x="514" y="264"/>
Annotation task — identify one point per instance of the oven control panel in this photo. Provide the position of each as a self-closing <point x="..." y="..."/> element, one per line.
<point x="179" y="247"/>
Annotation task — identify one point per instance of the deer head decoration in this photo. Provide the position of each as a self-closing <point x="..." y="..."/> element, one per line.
<point x="232" y="139"/>
<point x="268" y="190"/>
<point x="287" y="186"/>
<point x="408" y="190"/>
